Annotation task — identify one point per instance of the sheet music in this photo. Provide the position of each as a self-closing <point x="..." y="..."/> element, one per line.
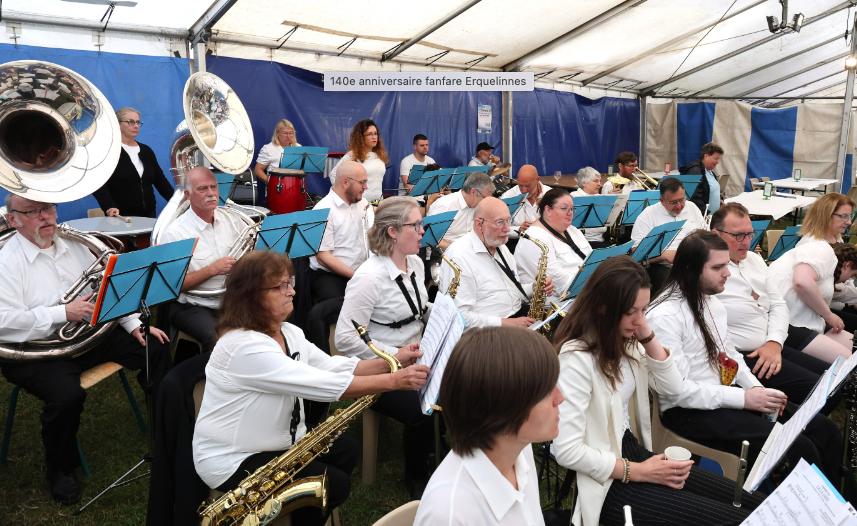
<point x="562" y="308"/>
<point x="443" y="330"/>
<point x="805" y="498"/>
<point x="842" y="373"/>
<point x="616" y="212"/>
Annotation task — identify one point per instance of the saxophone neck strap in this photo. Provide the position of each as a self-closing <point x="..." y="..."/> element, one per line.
<point x="417" y="311"/>
<point x="507" y="270"/>
<point x="565" y="238"/>
<point x="296" y="410"/>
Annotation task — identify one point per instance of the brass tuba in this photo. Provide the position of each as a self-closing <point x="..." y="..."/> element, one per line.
<point x="217" y="128"/>
<point x="59" y="142"/>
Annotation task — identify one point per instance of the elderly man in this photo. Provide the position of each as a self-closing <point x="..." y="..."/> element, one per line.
<point x="528" y="183"/>
<point x="420" y="157"/>
<point x="36" y="269"/>
<point x="344" y="245"/>
<point x="476" y="187"/>
<point x="626" y="164"/>
<point x="489" y="292"/>
<point x="217" y="231"/>
<point x="483" y="156"/>
<point x="708" y="190"/>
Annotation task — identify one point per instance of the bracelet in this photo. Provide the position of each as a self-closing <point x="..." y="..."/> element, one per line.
<point x="626" y="476"/>
<point x="647" y="339"/>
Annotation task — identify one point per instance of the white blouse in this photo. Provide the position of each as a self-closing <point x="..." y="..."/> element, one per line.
<point x="250" y="393"/>
<point x="563" y="261"/>
<point x="134" y="153"/>
<point x="818" y="255"/>
<point x="375" y="170"/>
<point x="270" y="155"/>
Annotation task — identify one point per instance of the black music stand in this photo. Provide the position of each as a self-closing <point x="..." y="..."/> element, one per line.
<point x="132" y="283"/>
<point x="297" y="234"/>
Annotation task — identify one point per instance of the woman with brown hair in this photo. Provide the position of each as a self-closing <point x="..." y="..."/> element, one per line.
<point x="261" y="368"/>
<point x="609" y="358"/>
<point x="367" y="148"/>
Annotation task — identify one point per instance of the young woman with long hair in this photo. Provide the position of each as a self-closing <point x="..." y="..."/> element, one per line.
<point x="367" y="148"/>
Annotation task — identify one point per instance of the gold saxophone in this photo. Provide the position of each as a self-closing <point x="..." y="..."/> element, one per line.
<point x="274" y="489"/>
<point x="537" y="303"/>
<point x="452" y="289"/>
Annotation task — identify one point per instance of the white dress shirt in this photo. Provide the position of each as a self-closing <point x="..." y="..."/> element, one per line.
<point x="527" y="211"/>
<point x="818" y="255"/>
<point x="345" y="233"/>
<point x="563" y="261"/>
<point x="405" y="168"/>
<point x="375" y="170"/>
<point x="463" y="222"/>
<point x="596" y="234"/>
<point x="250" y="393"/>
<point x="843" y="293"/>
<point x="627" y="189"/>
<point x="214" y="243"/>
<point x="672" y="320"/>
<point x="657" y="215"/>
<point x="485" y="293"/>
<point x="372" y="295"/>
<point x="754" y="322"/>
<point x="471" y="491"/>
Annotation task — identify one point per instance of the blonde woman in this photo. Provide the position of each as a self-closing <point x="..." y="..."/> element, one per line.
<point x="367" y="148"/>
<point x="269" y="155"/>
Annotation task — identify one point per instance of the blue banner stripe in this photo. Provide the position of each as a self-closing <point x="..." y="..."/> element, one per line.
<point x="772" y="144"/>
<point x="694" y="127"/>
<point x="849" y="173"/>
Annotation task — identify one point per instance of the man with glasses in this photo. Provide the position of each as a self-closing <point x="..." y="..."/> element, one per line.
<point x="476" y="187"/>
<point x="673" y="206"/>
<point x="489" y="291"/>
<point x="36" y="268"/>
<point x="344" y="245"/>
<point x="757" y="315"/>
<point x="626" y="164"/>
<point x="211" y="262"/>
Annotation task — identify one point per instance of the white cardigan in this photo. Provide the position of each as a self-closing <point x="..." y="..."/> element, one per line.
<point x="591" y="423"/>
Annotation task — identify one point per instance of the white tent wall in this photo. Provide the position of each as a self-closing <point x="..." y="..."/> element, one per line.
<point x="732" y="129"/>
<point x="661" y="139"/>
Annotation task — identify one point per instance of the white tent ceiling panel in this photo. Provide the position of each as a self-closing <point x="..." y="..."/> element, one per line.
<point x="820" y="83"/>
<point x="158" y="13"/>
<point x="799" y="80"/>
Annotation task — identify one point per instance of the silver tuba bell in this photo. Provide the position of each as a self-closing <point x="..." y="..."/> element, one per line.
<point x="59" y="142"/>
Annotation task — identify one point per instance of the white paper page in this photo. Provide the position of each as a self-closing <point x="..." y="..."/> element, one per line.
<point x="851" y="519"/>
<point x="842" y="373"/>
<point x="616" y="212"/>
<point x="564" y="308"/>
<point x="429" y="392"/>
<point x="442" y="312"/>
<point x="805" y="498"/>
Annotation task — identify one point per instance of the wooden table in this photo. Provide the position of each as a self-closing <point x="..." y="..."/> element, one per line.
<point x="569" y="182"/>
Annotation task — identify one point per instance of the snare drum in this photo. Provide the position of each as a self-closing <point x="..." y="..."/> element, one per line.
<point x="286" y="191"/>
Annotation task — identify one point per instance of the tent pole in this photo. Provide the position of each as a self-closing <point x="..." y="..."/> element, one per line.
<point x="643" y="116"/>
<point x="199" y="57"/>
<point x="507" y="129"/>
<point x="846" y="114"/>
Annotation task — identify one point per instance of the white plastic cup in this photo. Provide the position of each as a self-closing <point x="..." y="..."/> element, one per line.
<point x="677" y="453"/>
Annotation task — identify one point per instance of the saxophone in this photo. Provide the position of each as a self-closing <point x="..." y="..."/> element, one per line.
<point x="274" y="489"/>
<point x="452" y="289"/>
<point x="537" y="303"/>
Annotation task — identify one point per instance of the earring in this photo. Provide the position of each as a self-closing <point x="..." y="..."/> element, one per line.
<point x="394" y="241"/>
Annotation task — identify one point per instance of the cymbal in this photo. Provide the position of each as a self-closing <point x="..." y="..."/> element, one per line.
<point x="498" y="169"/>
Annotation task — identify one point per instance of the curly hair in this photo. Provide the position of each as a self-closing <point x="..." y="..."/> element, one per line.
<point x="844" y="252"/>
<point x="357" y="145"/>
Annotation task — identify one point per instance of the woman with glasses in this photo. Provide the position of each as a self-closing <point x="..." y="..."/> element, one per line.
<point x="367" y="148"/>
<point x="589" y="183"/>
<point x="269" y="155"/>
<point x="567" y="246"/>
<point x="388" y="295"/>
<point x="259" y="373"/>
<point x="129" y="190"/>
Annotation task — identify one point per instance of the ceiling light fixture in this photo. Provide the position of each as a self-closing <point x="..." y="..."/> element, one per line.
<point x="775" y="26"/>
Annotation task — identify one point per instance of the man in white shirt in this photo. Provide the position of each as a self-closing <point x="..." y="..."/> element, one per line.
<point x="217" y="231"/>
<point x="758" y="316"/>
<point x="343" y="246"/>
<point x="476" y="187"/>
<point x="489" y="292"/>
<point x="528" y="183"/>
<point x="36" y="268"/>
<point x="722" y="403"/>
<point x="483" y="156"/>
<point x="626" y="165"/>
<point x="418" y="158"/>
<point x="673" y="206"/>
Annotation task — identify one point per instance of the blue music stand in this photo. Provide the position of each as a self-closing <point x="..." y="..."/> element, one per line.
<point x="690" y="182"/>
<point x="592" y="211"/>
<point x="417" y="171"/>
<point x="638" y="201"/>
<point x="657" y="240"/>
<point x="304" y="159"/>
<point x="759" y="228"/>
<point x="435" y="227"/>
<point x="786" y="242"/>
<point x="432" y="182"/>
<point x="591" y="263"/>
<point x="224" y="182"/>
<point x="514" y="203"/>
<point x="297" y="234"/>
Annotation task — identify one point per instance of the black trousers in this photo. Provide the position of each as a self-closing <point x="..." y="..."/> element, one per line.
<point x="657" y="274"/>
<point x="798" y="375"/>
<point x="196" y="321"/>
<point x="849" y="318"/>
<point x="326" y="285"/>
<point x="705" y="499"/>
<point x="724" y="429"/>
<point x="338" y="462"/>
<point x="57" y="384"/>
<point x="418" y="437"/>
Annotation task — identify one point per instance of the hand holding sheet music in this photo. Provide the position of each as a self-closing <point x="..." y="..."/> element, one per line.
<point x="443" y="331"/>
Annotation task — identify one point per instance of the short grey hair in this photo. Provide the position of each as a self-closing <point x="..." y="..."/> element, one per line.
<point x="476" y="181"/>
<point x="392" y="212"/>
<point x="8" y="202"/>
<point x="587" y="174"/>
<point x="120" y="114"/>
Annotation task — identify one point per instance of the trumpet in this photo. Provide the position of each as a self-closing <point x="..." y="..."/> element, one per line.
<point x="649" y="183"/>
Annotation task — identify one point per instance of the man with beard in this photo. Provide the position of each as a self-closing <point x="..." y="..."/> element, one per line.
<point x="721" y="402"/>
<point x="489" y="292"/>
<point x="36" y="269"/>
<point x="343" y="246"/>
<point x="217" y="231"/>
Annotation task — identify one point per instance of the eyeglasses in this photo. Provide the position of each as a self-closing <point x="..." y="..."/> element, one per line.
<point x="844" y="217"/>
<point x="500" y="223"/>
<point x="129" y="122"/>
<point x="416" y="224"/>
<point x="677" y="201"/>
<point x="371" y="134"/>
<point x="740" y="237"/>
<point x="287" y="132"/>
<point x="32" y="214"/>
<point x="364" y="183"/>
<point x="564" y="209"/>
<point x="479" y="193"/>
<point x="284" y="287"/>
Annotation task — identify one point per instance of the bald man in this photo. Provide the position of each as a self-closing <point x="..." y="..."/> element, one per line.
<point x="344" y="246"/>
<point x="528" y="183"/>
<point x="476" y="187"/>
<point x="217" y="231"/>
<point x="489" y="293"/>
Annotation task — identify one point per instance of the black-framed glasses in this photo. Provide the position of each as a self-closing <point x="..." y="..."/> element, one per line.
<point x="677" y="201"/>
<point x="499" y="223"/>
<point x="130" y="122"/>
<point x="284" y="287"/>
<point x="741" y="236"/>
<point x="844" y="217"/>
<point x="364" y="184"/>
<point x="32" y="214"/>
<point x="416" y="224"/>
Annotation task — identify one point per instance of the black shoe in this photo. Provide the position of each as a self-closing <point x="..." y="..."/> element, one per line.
<point x="416" y="487"/>
<point x="64" y="487"/>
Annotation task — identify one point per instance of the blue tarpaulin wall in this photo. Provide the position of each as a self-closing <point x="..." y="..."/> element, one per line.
<point x="152" y="85"/>
<point x="557" y="130"/>
<point x="772" y="144"/>
<point x="695" y="126"/>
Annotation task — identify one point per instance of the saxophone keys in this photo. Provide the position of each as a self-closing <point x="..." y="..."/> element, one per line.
<point x="250" y="520"/>
<point x="306" y="458"/>
<point x="266" y="486"/>
<point x="252" y="497"/>
<point x="280" y="475"/>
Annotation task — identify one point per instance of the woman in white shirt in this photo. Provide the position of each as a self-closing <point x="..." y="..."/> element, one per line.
<point x="261" y="368"/>
<point x="270" y="154"/>
<point x="609" y="358"/>
<point x="589" y="183"/>
<point x="499" y="395"/>
<point x="567" y="247"/>
<point x="387" y="294"/>
<point x="367" y="148"/>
